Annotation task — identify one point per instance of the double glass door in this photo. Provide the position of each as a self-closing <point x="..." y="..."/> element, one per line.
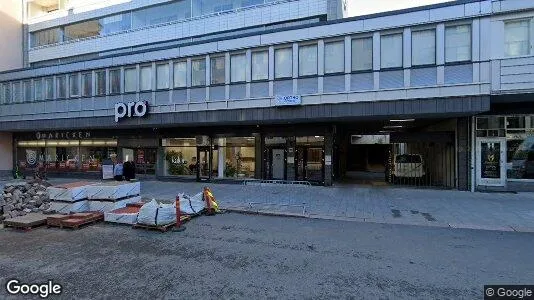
<point x="309" y="163"/>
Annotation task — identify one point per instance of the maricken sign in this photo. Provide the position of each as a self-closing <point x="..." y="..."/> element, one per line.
<point x="130" y="109"/>
<point x="62" y="135"/>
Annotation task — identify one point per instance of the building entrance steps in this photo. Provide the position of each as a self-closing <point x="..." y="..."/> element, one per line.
<point x="378" y="204"/>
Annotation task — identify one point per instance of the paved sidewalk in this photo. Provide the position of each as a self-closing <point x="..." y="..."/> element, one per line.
<point x="488" y="211"/>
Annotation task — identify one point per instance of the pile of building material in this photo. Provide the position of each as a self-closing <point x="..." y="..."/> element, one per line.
<point x="89" y="196"/>
<point x="74" y="221"/>
<point x="21" y="198"/>
<point x="29" y="221"/>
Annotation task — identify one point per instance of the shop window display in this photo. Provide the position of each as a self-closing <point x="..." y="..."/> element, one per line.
<point x="180" y="157"/>
<point x="65" y="155"/>
<point x="234" y="157"/>
<point x="519" y="134"/>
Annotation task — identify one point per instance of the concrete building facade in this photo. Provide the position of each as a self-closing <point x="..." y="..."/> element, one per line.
<point x="278" y="90"/>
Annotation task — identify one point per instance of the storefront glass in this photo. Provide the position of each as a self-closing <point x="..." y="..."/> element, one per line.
<point x="65" y="155"/>
<point x="234" y="157"/>
<point x="180" y="157"/>
<point x="519" y="133"/>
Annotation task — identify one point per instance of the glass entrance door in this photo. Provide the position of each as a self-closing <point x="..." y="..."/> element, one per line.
<point x="203" y="163"/>
<point x="145" y="161"/>
<point x="310" y="164"/>
<point x="491" y="161"/>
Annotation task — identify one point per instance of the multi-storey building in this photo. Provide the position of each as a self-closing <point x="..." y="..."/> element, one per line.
<point x="285" y="90"/>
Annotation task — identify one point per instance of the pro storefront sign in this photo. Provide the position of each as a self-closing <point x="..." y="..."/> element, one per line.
<point x="130" y="109"/>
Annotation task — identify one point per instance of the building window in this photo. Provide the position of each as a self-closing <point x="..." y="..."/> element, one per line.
<point x="87" y="84"/>
<point x="362" y="54"/>
<point x="217" y="70"/>
<point x="283" y="63"/>
<point x="334" y="57"/>
<point x="159" y="14"/>
<point x="145" y="79"/>
<point x="457" y="43"/>
<point x="6" y="89"/>
<point x="38" y="86"/>
<point x="61" y="86"/>
<point x="162" y="76"/>
<point x="17" y="92"/>
<point x="49" y="88"/>
<point x="130" y="80"/>
<point x="180" y="156"/>
<point x="238" y="68"/>
<point x="198" y="72"/>
<point x="27" y="91"/>
<point x="74" y="85"/>
<point x="180" y="74"/>
<point x="115" y="81"/>
<point x="100" y="82"/>
<point x="82" y="30"/>
<point x="234" y="158"/>
<point x="45" y="37"/>
<point x="308" y="60"/>
<point x="517" y="38"/>
<point x="260" y="65"/>
<point x="424" y="47"/>
<point x="391" y="51"/>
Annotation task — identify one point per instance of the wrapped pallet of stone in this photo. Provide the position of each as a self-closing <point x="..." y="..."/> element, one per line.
<point x="156" y="214"/>
<point x="70" y="192"/>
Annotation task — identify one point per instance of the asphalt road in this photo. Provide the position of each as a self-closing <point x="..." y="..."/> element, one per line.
<point x="234" y="256"/>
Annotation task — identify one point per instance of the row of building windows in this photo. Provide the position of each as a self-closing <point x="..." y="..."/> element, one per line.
<point x="158" y="14"/>
<point x="457" y="44"/>
<point x="457" y="49"/>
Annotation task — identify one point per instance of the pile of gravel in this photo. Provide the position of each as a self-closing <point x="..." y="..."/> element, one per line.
<point x="21" y="198"/>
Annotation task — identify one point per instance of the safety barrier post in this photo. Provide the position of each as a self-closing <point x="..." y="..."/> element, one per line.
<point x="178" y="213"/>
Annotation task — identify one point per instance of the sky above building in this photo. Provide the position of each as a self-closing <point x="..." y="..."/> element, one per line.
<point x="365" y="7"/>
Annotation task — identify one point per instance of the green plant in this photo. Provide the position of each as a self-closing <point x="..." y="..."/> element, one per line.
<point x="229" y="170"/>
<point x="176" y="164"/>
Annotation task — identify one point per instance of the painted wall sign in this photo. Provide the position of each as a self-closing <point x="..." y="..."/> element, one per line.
<point x="287" y="100"/>
<point x="65" y="135"/>
<point x="130" y="109"/>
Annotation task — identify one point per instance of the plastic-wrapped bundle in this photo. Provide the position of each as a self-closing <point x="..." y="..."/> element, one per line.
<point x="147" y="213"/>
<point x="192" y="205"/>
<point x="155" y="214"/>
<point x="80" y="206"/>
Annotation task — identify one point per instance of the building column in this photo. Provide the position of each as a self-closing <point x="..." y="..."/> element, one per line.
<point x="7" y="149"/>
<point x="258" y="148"/>
<point x="290" y="158"/>
<point x="328" y="161"/>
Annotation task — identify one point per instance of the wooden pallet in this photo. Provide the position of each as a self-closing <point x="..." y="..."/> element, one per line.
<point x="75" y="221"/>
<point x="162" y="228"/>
<point x="27" y="222"/>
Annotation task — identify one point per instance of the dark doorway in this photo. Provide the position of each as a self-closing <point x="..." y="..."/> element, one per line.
<point x="203" y="163"/>
<point x="310" y="164"/>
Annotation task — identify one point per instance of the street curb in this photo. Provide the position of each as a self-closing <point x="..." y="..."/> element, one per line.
<point x="375" y="221"/>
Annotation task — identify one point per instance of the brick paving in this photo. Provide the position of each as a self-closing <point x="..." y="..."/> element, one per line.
<point x="382" y="204"/>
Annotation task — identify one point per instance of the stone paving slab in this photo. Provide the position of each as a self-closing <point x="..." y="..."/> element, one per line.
<point x="391" y="205"/>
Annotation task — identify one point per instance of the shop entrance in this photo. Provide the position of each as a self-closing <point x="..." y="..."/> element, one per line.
<point x="310" y="164"/>
<point x="144" y="159"/>
<point x="490" y="162"/>
<point x="278" y="165"/>
<point x="203" y="163"/>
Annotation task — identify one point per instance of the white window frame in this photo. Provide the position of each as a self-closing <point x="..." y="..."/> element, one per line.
<point x="158" y="77"/>
<point x="27" y="83"/>
<point x="184" y="79"/>
<point x="35" y="81"/>
<point x="263" y="52"/>
<point x="355" y="58"/>
<point x="65" y="88"/>
<point x="77" y="82"/>
<point x="433" y="63"/>
<point x="301" y="63"/>
<point x="290" y="63"/>
<point x="83" y="84"/>
<point x="212" y="65"/>
<point x="326" y="43"/>
<point x="141" y="77"/>
<point x="242" y="69"/>
<point x="384" y="54"/>
<point x="48" y="82"/>
<point x="97" y="85"/>
<point x="470" y="44"/>
<point x="529" y="36"/>
<point x="132" y="87"/>
<point x="110" y="79"/>
<point x="202" y="81"/>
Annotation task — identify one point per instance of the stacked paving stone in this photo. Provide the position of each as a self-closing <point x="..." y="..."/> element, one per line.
<point x="22" y="198"/>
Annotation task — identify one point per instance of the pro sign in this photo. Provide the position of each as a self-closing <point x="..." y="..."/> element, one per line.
<point x="130" y="109"/>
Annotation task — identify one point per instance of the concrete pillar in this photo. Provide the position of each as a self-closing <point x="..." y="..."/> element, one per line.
<point x="258" y="145"/>
<point x="6" y="159"/>
<point x="290" y="155"/>
<point x="222" y="157"/>
<point x="462" y="150"/>
<point x="328" y="153"/>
